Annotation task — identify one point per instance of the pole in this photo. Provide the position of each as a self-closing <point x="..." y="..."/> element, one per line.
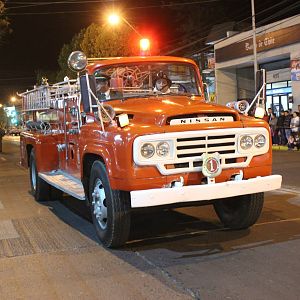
<point x="254" y="43"/>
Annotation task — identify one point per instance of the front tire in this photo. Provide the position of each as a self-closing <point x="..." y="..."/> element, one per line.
<point x="110" y="209"/>
<point x="240" y="212"/>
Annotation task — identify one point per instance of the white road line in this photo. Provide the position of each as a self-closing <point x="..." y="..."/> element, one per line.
<point x="2" y="158"/>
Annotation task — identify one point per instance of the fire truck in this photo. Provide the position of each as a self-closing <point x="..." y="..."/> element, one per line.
<point x="142" y="148"/>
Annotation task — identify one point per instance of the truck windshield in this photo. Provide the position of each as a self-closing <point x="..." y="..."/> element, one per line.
<point x="139" y="80"/>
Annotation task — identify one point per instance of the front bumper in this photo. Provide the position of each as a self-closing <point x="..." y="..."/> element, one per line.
<point x="164" y="196"/>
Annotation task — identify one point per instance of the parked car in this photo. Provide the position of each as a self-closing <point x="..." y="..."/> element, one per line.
<point x="14" y="131"/>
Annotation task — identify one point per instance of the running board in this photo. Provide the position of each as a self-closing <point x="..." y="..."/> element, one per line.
<point x="64" y="182"/>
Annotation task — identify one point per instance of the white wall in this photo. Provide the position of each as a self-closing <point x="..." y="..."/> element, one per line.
<point x="226" y="86"/>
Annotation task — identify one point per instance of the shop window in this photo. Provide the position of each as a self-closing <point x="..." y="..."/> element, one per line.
<point x="278" y="85"/>
<point x="269" y="86"/>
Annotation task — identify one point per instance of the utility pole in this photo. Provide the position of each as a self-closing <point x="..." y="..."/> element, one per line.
<point x="254" y="43"/>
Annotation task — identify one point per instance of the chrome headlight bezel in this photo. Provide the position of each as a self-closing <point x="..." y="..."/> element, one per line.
<point x="150" y="146"/>
<point x="163" y="149"/>
<point x="259" y="144"/>
<point x="247" y="141"/>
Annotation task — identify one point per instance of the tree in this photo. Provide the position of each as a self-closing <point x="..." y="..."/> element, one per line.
<point x="3" y="118"/>
<point x="98" y="41"/>
<point x="4" y="28"/>
<point x="3" y="123"/>
<point x="66" y="50"/>
<point x="104" y="41"/>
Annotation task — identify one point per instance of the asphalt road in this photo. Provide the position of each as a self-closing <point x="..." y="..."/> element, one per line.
<point x="50" y="250"/>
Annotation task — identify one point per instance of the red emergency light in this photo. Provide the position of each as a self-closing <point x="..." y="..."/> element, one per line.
<point x="144" y="47"/>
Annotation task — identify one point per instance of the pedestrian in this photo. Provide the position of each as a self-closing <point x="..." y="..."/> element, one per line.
<point x="295" y="124"/>
<point x="281" y="133"/>
<point x="273" y="127"/>
<point x="286" y="124"/>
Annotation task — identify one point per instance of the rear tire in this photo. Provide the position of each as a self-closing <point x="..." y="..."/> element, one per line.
<point x="110" y="209"/>
<point x="240" y="212"/>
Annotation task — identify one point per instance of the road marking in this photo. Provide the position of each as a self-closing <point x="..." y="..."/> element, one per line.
<point x="7" y="230"/>
<point x="2" y="158"/>
<point x="1" y="205"/>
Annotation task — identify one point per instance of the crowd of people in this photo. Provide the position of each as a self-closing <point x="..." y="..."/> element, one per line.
<point x="285" y="129"/>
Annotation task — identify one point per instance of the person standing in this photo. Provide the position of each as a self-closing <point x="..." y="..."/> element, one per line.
<point x="295" y="124"/>
<point x="286" y="124"/>
<point x="281" y="133"/>
<point x="273" y="127"/>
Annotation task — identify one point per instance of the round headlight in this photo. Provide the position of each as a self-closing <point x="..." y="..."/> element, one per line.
<point x="163" y="149"/>
<point x="246" y="142"/>
<point x="147" y="150"/>
<point x="259" y="141"/>
<point x="77" y="61"/>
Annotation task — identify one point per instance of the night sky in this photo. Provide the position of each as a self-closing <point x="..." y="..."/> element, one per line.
<point x="40" y="29"/>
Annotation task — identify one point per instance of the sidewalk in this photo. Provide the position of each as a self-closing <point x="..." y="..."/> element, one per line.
<point x="281" y="148"/>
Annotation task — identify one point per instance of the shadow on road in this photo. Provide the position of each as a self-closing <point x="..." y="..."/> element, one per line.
<point x="195" y="229"/>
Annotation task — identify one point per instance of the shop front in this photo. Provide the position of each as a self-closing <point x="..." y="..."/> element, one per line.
<point x="278" y="52"/>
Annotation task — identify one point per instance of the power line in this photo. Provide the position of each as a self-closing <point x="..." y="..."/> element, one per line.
<point x="292" y="6"/>
<point x="246" y="37"/>
<point x="97" y="1"/>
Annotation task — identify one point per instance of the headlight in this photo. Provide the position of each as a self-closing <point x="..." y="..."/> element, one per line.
<point x="147" y="150"/>
<point x="246" y="142"/>
<point x="259" y="141"/>
<point x="163" y="149"/>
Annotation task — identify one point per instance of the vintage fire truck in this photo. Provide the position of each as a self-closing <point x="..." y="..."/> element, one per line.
<point x="143" y="148"/>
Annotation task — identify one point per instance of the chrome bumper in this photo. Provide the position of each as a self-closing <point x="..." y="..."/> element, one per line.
<point x="190" y="193"/>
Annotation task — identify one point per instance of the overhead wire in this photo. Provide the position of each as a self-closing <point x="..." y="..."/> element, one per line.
<point x="248" y="36"/>
<point x="292" y="6"/>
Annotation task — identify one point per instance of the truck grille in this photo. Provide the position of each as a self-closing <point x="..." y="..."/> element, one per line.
<point x="196" y="146"/>
<point x="189" y="147"/>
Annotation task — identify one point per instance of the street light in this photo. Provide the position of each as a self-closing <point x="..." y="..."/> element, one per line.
<point x="13" y="99"/>
<point x="114" y="19"/>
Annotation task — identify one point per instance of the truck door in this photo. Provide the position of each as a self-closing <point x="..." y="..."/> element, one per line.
<point x="70" y="158"/>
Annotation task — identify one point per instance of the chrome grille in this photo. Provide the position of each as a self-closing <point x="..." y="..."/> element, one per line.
<point x="196" y="146"/>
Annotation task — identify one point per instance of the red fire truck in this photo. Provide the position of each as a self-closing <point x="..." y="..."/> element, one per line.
<point x="143" y="147"/>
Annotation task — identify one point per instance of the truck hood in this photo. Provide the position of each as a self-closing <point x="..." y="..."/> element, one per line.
<point x="160" y="110"/>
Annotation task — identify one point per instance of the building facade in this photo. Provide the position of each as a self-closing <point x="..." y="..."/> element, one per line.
<point x="278" y="52"/>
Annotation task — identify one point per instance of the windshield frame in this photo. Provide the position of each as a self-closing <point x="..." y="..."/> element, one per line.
<point x="153" y="67"/>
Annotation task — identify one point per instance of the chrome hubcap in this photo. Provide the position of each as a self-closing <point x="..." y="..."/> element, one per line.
<point x="99" y="204"/>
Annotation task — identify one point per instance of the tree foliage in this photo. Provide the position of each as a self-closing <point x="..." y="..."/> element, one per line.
<point x="3" y="118"/>
<point x="98" y="41"/>
<point x="4" y="24"/>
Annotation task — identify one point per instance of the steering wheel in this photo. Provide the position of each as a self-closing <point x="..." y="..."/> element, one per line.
<point x="181" y="87"/>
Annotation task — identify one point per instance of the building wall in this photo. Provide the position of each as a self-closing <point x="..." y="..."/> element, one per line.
<point x="226" y="86"/>
<point x="237" y="83"/>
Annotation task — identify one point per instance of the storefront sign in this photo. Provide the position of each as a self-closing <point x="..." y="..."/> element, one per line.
<point x="264" y="42"/>
<point x="286" y="90"/>
<point x="295" y="69"/>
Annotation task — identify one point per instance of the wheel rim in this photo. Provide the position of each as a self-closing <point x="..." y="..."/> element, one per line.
<point x="33" y="176"/>
<point x="99" y="204"/>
